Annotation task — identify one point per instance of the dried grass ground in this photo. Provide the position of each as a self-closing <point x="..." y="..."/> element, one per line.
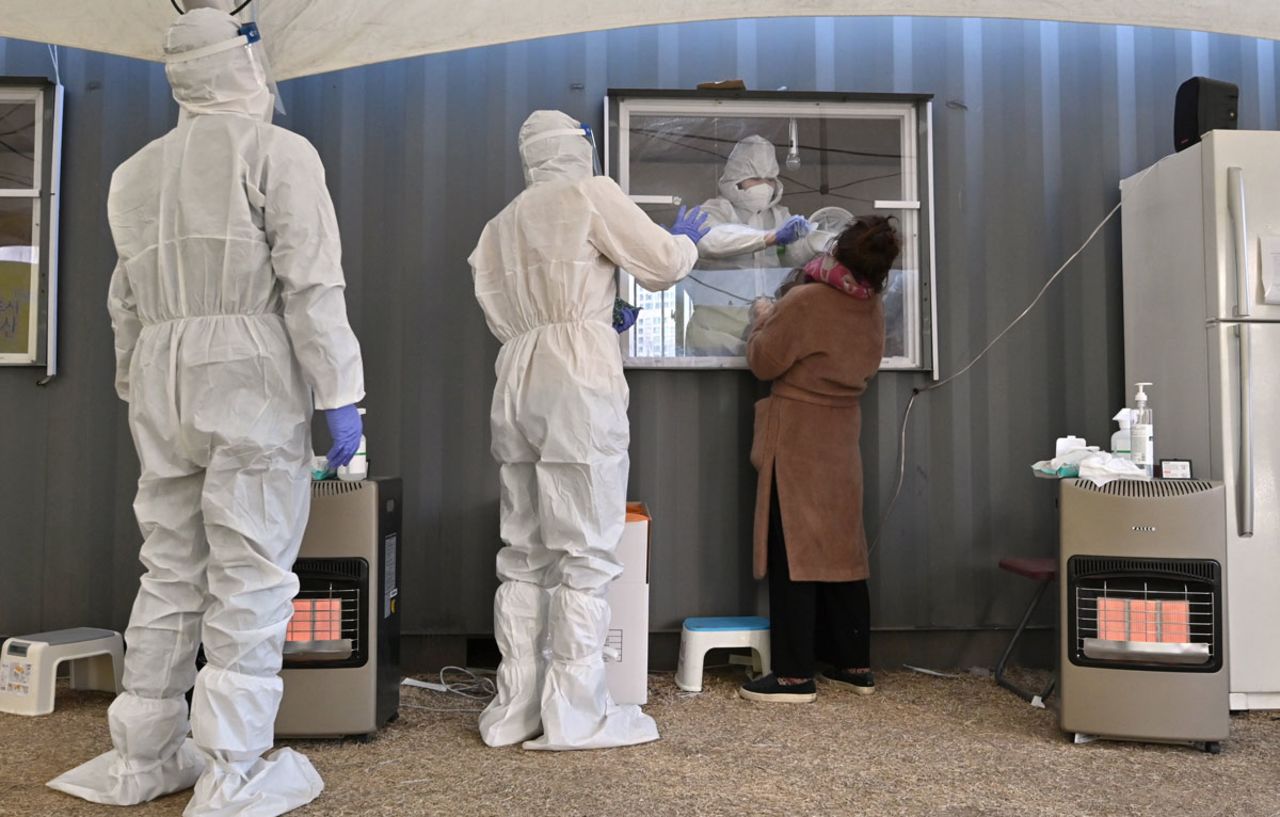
<point x="920" y="746"/>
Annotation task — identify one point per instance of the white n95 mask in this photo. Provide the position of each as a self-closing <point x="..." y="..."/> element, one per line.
<point x="756" y="198"/>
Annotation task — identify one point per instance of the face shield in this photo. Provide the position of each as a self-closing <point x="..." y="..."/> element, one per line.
<point x="582" y="130"/>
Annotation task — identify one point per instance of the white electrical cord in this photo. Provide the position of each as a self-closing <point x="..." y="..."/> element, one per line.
<point x="476" y="687"/>
<point x="915" y="393"/>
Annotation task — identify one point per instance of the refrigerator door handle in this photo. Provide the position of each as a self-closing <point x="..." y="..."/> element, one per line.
<point x="1240" y="228"/>
<point x="1245" y="521"/>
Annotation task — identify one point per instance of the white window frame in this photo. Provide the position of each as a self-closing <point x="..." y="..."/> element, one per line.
<point x="44" y="231"/>
<point x="914" y="222"/>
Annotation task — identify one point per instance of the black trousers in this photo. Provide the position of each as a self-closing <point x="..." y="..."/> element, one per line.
<point x="813" y="621"/>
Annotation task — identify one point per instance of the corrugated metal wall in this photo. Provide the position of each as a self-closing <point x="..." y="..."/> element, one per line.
<point x="1034" y="125"/>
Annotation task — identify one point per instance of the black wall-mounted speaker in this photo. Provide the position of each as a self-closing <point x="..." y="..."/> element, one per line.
<point x="1203" y="105"/>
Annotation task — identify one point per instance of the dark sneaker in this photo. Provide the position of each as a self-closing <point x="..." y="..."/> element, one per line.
<point x="863" y="683"/>
<point x="766" y="689"/>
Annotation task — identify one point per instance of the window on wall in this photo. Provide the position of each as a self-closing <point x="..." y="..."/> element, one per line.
<point x="30" y="152"/>
<point x="838" y="156"/>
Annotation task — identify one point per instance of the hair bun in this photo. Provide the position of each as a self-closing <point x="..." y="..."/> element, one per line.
<point x="869" y="247"/>
<point x="882" y="238"/>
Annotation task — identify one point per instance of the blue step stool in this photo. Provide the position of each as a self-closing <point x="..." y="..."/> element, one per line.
<point x="699" y="635"/>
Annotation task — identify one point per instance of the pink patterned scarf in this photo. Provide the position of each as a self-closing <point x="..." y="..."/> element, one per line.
<point x="828" y="270"/>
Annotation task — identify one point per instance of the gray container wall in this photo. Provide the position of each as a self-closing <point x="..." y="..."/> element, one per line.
<point x="1034" y="126"/>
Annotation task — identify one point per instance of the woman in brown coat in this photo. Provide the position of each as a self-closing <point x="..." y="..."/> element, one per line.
<point x="820" y="344"/>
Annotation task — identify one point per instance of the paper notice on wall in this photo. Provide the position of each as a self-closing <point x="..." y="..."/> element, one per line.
<point x="1271" y="270"/>
<point x="15" y="677"/>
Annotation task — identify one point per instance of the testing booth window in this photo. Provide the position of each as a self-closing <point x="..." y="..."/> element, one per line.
<point x="837" y="157"/>
<point x="30" y="145"/>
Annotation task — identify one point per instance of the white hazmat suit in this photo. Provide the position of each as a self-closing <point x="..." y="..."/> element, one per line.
<point x="741" y="227"/>
<point x="545" y="278"/>
<point x="228" y="311"/>
<point x="741" y="222"/>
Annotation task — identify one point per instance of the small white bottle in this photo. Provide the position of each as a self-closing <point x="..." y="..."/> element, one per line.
<point x="1143" y="433"/>
<point x="1121" y="445"/>
<point x="358" y="469"/>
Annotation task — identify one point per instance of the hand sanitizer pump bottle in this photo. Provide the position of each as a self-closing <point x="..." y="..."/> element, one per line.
<point x="1143" y="443"/>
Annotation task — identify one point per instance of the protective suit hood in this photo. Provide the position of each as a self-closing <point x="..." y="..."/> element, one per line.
<point x="229" y="81"/>
<point x="753" y="158"/>
<point x="548" y="155"/>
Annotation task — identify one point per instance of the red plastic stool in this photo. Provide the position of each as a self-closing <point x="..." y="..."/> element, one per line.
<point x="1043" y="572"/>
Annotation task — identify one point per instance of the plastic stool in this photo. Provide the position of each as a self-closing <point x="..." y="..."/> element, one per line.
<point x="702" y="634"/>
<point x="29" y="666"/>
<point x="1042" y="572"/>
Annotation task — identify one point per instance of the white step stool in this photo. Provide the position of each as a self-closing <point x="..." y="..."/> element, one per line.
<point x="29" y="666"/>
<point x="702" y="634"/>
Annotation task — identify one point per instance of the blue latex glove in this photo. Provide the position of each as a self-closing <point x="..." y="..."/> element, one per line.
<point x="624" y="315"/>
<point x="345" y="426"/>
<point x="795" y="228"/>
<point x="691" y="224"/>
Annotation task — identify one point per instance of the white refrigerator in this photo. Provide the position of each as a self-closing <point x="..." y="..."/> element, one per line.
<point x="1201" y="238"/>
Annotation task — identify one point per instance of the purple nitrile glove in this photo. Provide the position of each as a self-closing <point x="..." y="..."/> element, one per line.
<point x="345" y="426"/>
<point x="691" y="224"/>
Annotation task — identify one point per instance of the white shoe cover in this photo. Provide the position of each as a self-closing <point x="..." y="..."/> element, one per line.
<point x="514" y="715"/>
<point x="270" y="786"/>
<point x="577" y="710"/>
<point x="111" y="780"/>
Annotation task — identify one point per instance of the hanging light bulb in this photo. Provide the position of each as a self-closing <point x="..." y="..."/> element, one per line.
<point x="793" y="155"/>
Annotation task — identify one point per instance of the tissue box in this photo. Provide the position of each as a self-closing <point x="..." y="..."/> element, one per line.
<point x="627" y="644"/>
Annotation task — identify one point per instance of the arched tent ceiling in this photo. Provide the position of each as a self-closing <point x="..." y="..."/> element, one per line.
<point x="327" y="35"/>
